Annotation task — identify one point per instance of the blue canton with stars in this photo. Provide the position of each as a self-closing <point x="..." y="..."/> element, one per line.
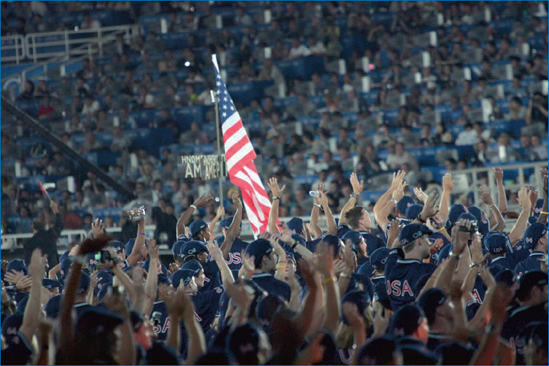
<point x="226" y="104"/>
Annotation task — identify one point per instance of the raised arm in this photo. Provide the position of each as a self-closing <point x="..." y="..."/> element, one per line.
<point x="522" y="222"/>
<point x="232" y="232"/>
<point x="357" y="190"/>
<point x="315" y="212"/>
<point x="277" y="195"/>
<point x="281" y="265"/>
<point x="139" y="246"/>
<point x="488" y="200"/>
<point x="398" y="194"/>
<point x="220" y="213"/>
<point x="332" y="226"/>
<point x="460" y="236"/>
<point x="502" y="196"/>
<point x="186" y="216"/>
<point x="217" y="255"/>
<point x="543" y="214"/>
<point x="59" y="225"/>
<point x="447" y="186"/>
<point x="31" y="319"/>
<point x="386" y="197"/>
<point x="324" y="264"/>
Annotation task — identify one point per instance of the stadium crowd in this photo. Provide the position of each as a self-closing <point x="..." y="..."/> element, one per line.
<point x="395" y="280"/>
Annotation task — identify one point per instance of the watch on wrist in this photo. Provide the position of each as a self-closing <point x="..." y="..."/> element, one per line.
<point x="454" y="255"/>
<point x="473" y="264"/>
<point x="420" y="219"/>
<point x="276" y="198"/>
<point x="354" y="195"/>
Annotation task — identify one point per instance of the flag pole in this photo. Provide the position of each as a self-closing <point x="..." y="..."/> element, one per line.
<point x="215" y="101"/>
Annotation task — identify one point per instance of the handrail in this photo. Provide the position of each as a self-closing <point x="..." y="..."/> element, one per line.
<point x="18" y="46"/>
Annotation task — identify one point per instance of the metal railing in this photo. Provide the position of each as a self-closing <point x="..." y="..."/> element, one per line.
<point x="13" y="43"/>
<point x="15" y="241"/>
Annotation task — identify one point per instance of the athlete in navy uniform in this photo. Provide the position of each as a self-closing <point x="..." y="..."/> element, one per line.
<point x="378" y="260"/>
<point x="497" y="245"/>
<point x="535" y="239"/>
<point x="233" y="260"/>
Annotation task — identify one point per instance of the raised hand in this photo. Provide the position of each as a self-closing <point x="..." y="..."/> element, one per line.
<point x="237" y="202"/>
<point x="436" y="245"/>
<point x="13" y="277"/>
<point x="455" y="290"/>
<point x="429" y="208"/>
<point x="214" y="250"/>
<point x="498" y="174"/>
<point x="476" y="250"/>
<point x="203" y="201"/>
<point x="93" y="245"/>
<point x="545" y="183"/>
<point x="350" y="311"/>
<point x="447" y="182"/>
<point x="53" y="206"/>
<point x="381" y="320"/>
<point x="220" y="212"/>
<point x="98" y="228"/>
<point x="277" y="247"/>
<point x="486" y="197"/>
<point x="286" y="236"/>
<point x="460" y="235"/>
<point x="275" y="189"/>
<point x="534" y="197"/>
<point x="422" y="196"/>
<point x="324" y="260"/>
<point x="398" y="177"/>
<point x="398" y="193"/>
<point x="524" y="198"/>
<point x="248" y="265"/>
<point x="357" y="186"/>
<point x="241" y="297"/>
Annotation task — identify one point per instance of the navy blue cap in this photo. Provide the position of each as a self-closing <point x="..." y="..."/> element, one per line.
<point x="379" y="257"/>
<point x="17" y="265"/>
<point x="413" y="211"/>
<point x="98" y="320"/>
<point x="506" y="276"/>
<point x="259" y="248"/>
<point x="483" y="226"/>
<point x="117" y="245"/>
<point x="11" y="326"/>
<point x="412" y="232"/>
<point x="48" y="283"/>
<point x="129" y="246"/>
<point x="404" y="203"/>
<point x="22" y="304"/>
<point x="104" y="278"/>
<point x="444" y="253"/>
<point x="357" y="297"/>
<point x="417" y="355"/>
<point x="227" y="222"/>
<point x="528" y="281"/>
<point x="406" y="320"/>
<point x="455" y="211"/>
<point x="455" y="353"/>
<point x="53" y="306"/>
<point x="176" y="248"/>
<point x="533" y="233"/>
<point x="532" y="220"/>
<point x="477" y="212"/>
<point x="192" y="248"/>
<point x="145" y="265"/>
<point x="193" y="265"/>
<point x="197" y="226"/>
<point x="467" y="216"/>
<point x="380" y="294"/>
<point x="163" y="279"/>
<point x="354" y="236"/>
<point x="334" y="242"/>
<point x="301" y="240"/>
<point x="84" y="284"/>
<point x="185" y="275"/>
<point x="366" y="269"/>
<point x="496" y="242"/>
<point x="295" y="225"/>
<point x="538" y="207"/>
<point x="378" y="351"/>
<point x="430" y="301"/>
<point x="373" y="243"/>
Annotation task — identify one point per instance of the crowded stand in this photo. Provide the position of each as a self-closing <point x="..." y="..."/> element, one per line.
<point x="403" y="145"/>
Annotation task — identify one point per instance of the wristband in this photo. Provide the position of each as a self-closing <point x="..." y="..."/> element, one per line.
<point x="328" y="280"/>
<point x="317" y="205"/>
<point x="276" y="198"/>
<point x="420" y="219"/>
<point x="473" y="264"/>
<point x="281" y="266"/>
<point x="294" y="245"/>
<point x="193" y="207"/>
<point x="354" y="195"/>
<point x="140" y="233"/>
<point x="544" y="213"/>
<point x="454" y="255"/>
<point x="442" y="229"/>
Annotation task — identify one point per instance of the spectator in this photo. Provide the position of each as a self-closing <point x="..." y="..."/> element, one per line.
<point x="401" y="156"/>
<point x="298" y="50"/>
<point x="89" y="23"/>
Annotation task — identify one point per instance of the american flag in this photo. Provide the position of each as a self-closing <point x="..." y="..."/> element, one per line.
<point x="240" y="156"/>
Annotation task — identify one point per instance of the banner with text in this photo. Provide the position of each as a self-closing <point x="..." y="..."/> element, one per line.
<point x="207" y="167"/>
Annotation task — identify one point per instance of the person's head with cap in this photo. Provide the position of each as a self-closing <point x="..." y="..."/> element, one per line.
<point x="410" y="321"/>
<point x="496" y="244"/>
<point x="414" y="239"/>
<point x="17" y="265"/>
<point x="176" y="251"/>
<point x="11" y="326"/>
<point x="535" y="237"/>
<point x="52" y="285"/>
<point x="142" y="330"/>
<point x="532" y="288"/>
<point x="119" y="248"/>
<point x="413" y="211"/>
<point x="194" y="249"/>
<point x="538" y="207"/>
<point x="198" y="270"/>
<point x="184" y="278"/>
<point x="507" y="277"/>
<point x="403" y="205"/>
<point x="360" y="299"/>
<point x="263" y="253"/>
<point x="378" y="259"/>
<point x="380" y="351"/>
<point x="267" y="308"/>
<point x="455" y="211"/>
<point x="200" y="230"/>
<point x="334" y="243"/>
<point x="95" y="334"/>
<point x="53" y="306"/>
<point x="469" y="216"/>
<point x="249" y="345"/>
<point x="295" y="225"/>
<point x="437" y="309"/>
<point x="357" y="241"/>
<point x="535" y="348"/>
<point x="359" y="219"/>
<point x="226" y="223"/>
<point x="373" y="243"/>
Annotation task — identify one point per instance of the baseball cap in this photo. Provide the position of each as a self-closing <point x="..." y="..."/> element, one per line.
<point x="259" y="248"/>
<point x="378" y="351"/>
<point x="533" y="233"/>
<point x="454" y="353"/>
<point x="506" y="276"/>
<point x="53" y="306"/>
<point x="97" y="320"/>
<point x="194" y="266"/>
<point x="197" y="226"/>
<point x="227" y="222"/>
<point x="466" y="216"/>
<point x="185" y="275"/>
<point x="84" y="284"/>
<point x="163" y="279"/>
<point x="354" y="236"/>
<point x="379" y="257"/>
<point x="176" y="248"/>
<point x="528" y="281"/>
<point x="359" y="298"/>
<point x="334" y="242"/>
<point x="538" y="207"/>
<point x="476" y="211"/>
<point x="372" y="243"/>
<point x="429" y="302"/>
<point x="268" y="307"/>
<point x="22" y="303"/>
<point x="413" y="211"/>
<point x="412" y="232"/>
<point x="496" y="242"/>
<point x="117" y="245"/>
<point x="243" y="344"/>
<point x="366" y="269"/>
<point x="295" y="225"/>
<point x="406" y="320"/>
<point x="145" y="265"/>
<point x="455" y="211"/>
<point x="301" y="240"/>
<point x="404" y="203"/>
<point x="11" y="326"/>
<point x="192" y="248"/>
<point x="48" y="283"/>
<point x="17" y="265"/>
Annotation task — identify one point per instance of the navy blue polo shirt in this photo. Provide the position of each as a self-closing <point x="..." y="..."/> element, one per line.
<point x="234" y="261"/>
<point x="160" y="313"/>
<point x="272" y="285"/>
<point x="530" y="264"/>
<point x="401" y="277"/>
<point x="518" y="319"/>
<point x="506" y="262"/>
<point x="206" y="306"/>
<point x="18" y="352"/>
<point x="212" y="277"/>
